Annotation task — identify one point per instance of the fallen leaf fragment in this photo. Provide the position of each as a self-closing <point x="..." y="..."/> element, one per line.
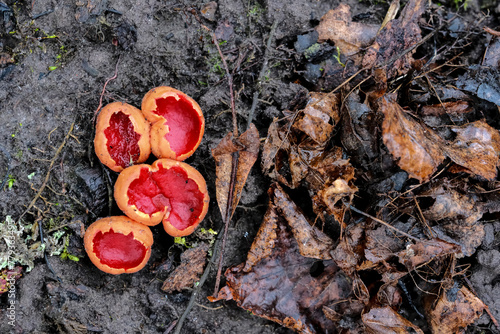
<point x="452" y="313"/>
<point x="424" y="251"/>
<point x="311" y="241"/>
<point x="320" y="116"/>
<point x="381" y="244"/>
<point x="350" y="37"/>
<point x="456" y="218"/>
<point x="419" y="150"/>
<point x="397" y="36"/>
<point x="277" y="283"/>
<point x="247" y="148"/>
<point x="415" y="147"/>
<point x="450" y="205"/>
<point x="189" y="271"/>
<point x="476" y="148"/>
<point x="384" y="320"/>
<point x="276" y="145"/>
<point x="453" y="107"/>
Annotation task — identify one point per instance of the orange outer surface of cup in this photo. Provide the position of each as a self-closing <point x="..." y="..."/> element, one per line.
<point x="159" y="144"/>
<point x="128" y="175"/>
<point x="141" y="126"/>
<point x="123" y="225"/>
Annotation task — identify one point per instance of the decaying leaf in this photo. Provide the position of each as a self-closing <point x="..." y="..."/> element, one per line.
<point x="349" y="252"/>
<point x="350" y="37"/>
<point x="453" y="107"/>
<point x="476" y="148"/>
<point x="189" y="271"/>
<point x="360" y="131"/>
<point x="384" y="320"/>
<point x="416" y="148"/>
<point x="302" y="147"/>
<point x="282" y="285"/>
<point x="424" y="251"/>
<point x="453" y="311"/>
<point x="247" y="148"/>
<point x="319" y="117"/>
<point x="311" y="241"/>
<point x="419" y="150"/>
<point x="397" y="36"/>
<point x="457" y="217"/>
<point x="381" y="244"/>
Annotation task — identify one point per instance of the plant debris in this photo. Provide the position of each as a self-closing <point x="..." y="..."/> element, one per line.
<point x="350" y="159"/>
<point x="188" y="272"/>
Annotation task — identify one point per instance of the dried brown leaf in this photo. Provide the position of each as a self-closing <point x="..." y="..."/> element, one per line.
<point x="189" y="271"/>
<point x="424" y="251"/>
<point x="457" y="217"/>
<point x="452" y="313"/>
<point x="454" y="107"/>
<point x="275" y="145"/>
<point x="397" y="36"/>
<point x="247" y="147"/>
<point x="278" y="285"/>
<point x="419" y="150"/>
<point x="416" y="148"/>
<point x="319" y="117"/>
<point x="265" y="240"/>
<point x="384" y="320"/>
<point x="311" y="241"/>
<point x="350" y="37"/>
<point x="476" y="148"/>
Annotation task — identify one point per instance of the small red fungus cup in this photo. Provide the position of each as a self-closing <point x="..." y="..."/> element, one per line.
<point x="122" y="136"/>
<point x="118" y="245"/>
<point x="177" y="123"/>
<point x="168" y="190"/>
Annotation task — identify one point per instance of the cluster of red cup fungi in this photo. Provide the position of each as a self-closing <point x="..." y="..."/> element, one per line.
<point x="171" y="125"/>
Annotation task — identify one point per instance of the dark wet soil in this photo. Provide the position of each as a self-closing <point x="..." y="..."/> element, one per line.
<point x="56" y="58"/>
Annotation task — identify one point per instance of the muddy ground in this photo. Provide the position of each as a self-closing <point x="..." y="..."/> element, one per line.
<point x="56" y="58"/>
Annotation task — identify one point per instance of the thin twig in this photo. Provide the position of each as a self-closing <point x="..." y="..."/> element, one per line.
<point x="230" y="82"/>
<point x="52" y="162"/>
<point x="382" y="222"/>
<point x="262" y="73"/>
<point x="227" y="219"/>
<point x="492" y="32"/>
<point x="197" y="290"/>
<point x="104" y="90"/>
<point x="235" y="156"/>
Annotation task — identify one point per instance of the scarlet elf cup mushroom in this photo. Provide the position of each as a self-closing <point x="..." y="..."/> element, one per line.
<point x="118" y="245"/>
<point x="122" y="136"/>
<point x="168" y="190"/>
<point x="177" y="122"/>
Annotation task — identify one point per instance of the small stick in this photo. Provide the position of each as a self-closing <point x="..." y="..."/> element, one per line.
<point x="234" y="164"/>
<point x="262" y="73"/>
<point x="492" y="32"/>
<point x="382" y="222"/>
<point x="197" y="290"/>
<point x="52" y="162"/>
<point x="104" y="90"/>
<point x="230" y="82"/>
